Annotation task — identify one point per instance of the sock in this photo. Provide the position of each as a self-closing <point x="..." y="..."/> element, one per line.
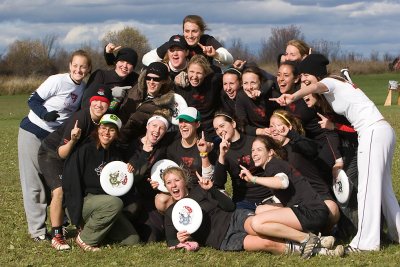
<point x="292" y="248"/>
<point x="56" y="230"/>
<point x="305" y="239"/>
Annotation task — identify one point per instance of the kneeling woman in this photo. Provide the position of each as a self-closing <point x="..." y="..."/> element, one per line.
<point x="301" y="213"/>
<point x="99" y="215"/>
<point x="222" y="227"/>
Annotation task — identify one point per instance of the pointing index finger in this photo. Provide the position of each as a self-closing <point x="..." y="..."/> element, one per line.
<point x="76" y="124"/>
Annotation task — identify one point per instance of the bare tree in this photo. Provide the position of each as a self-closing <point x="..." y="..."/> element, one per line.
<point x="276" y="43"/>
<point x="129" y="37"/>
<point x="374" y="56"/>
<point x="327" y="48"/>
<point x="49" y="45"/>
<point x="29" y="57"/>
<point x="241" y="51"/>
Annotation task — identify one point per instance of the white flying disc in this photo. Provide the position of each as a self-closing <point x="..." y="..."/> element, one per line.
<point x="157" y="171"/>
<point x="179" y="105"/>
<point x="187" y="215"/>
<point x="115" y="178"/>
<point x="342" y="187"/>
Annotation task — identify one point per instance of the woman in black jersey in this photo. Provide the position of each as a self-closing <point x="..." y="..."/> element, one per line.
<point x="253" y="108"/>
<point x="235" y="150"/>
<point x="123" y="75"/>
<point x="301" y="213"/>
<point x="232" y="84"/>
<point x="289" y="133"/>
<point x="203" y="92"/>
<point x="143" y="153"/>
<point x="328" y="140"/>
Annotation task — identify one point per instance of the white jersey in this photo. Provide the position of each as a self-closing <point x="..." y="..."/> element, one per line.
<point x="352" y="103"/>
<point x="61" y="94"/>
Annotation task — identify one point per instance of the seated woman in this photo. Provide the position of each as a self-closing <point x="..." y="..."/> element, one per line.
<point x="191" y="152"/>
<point x="222" y="227"/>
<point x="301" y="212"/>
<point x="288" y="132"/>
<point x="235" y="150"/>
<point x="97" y="214"/>
<point x="143" y="153"/>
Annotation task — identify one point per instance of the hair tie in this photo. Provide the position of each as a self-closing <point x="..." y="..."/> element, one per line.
<point x="283" y="117"/>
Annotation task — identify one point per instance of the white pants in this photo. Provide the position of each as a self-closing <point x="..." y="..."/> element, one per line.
<point x="375" y="191"/>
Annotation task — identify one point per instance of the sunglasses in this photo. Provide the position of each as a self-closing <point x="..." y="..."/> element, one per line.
<point x="155" y="79"/>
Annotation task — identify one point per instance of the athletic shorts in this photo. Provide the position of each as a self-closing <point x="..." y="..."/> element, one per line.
<point x="236" y="233"/>
<point x="313" y="218"/>
<point x="51" y="166"/>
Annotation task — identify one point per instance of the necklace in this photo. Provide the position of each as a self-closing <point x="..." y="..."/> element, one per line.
<point x="97" y="123"/>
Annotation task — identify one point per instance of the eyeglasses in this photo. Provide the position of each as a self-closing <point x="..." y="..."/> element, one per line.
<point x="155" y="79"/>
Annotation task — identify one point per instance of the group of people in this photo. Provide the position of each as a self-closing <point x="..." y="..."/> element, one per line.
<point x="281" y="140"/>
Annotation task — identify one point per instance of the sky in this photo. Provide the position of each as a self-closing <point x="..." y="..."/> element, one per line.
<point x="361" y="27"/>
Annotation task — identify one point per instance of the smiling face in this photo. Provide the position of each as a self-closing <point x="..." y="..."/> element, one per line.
<point x="79" y="68"/>
<point x="98" y="109"/>
<point x="177" y="57"/>
<point x="196" y="74"/>
<point x="276" y="126"/>
<point x="188" y="129"/>
<point x="225" y="129"/>
<point x="260" y="154"/>
<point x="231" y="84"/>
<point x="123" y="68"/>
<point x="308" y="79"/>
<point x="192" y="33"/>
<point x="175" y="184"/>
<point x="251" y="83"/>
<point x="286" y="79"/>
<point x="153" y="83"/>
<point x="107" y="134"/>
<point x="155" y="131"/>
<point x="293" y="53"/>
<point x="311" y="100"/>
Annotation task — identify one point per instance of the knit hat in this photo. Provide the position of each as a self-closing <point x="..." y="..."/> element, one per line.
<point x="189" y="114"/>
<point x="127" y="54"/>
<point x="177" y="40"/>
<point x="111" y="118"/>
<point x="102" y="93"/>
<point x="314" y="64"/>
<point x="159" y="69"/>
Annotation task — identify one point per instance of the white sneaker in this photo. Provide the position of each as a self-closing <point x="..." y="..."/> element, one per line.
<point x="327" y="241"/>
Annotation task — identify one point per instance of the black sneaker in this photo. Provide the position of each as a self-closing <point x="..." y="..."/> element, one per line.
<point x="41" y="238"/>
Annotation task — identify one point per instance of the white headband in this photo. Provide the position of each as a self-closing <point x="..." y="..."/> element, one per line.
<point x="160" y="118"/>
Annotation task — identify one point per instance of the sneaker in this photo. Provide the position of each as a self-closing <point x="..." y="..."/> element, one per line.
<point x="308" y="246"/>
<point x="327" y="241"/>
<point x="59" y="243"/>
<point x="85" y="246"/>
<point x="337" y="252"/>
<point x="41" y="238"/>
<point x="351" y="250"/>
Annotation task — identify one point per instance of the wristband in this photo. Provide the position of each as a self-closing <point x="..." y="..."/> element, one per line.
<point x="203" y="154"/>
<point x="254" y="179"/>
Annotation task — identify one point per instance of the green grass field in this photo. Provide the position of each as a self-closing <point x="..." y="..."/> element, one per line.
<point x="17" y="249"/>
